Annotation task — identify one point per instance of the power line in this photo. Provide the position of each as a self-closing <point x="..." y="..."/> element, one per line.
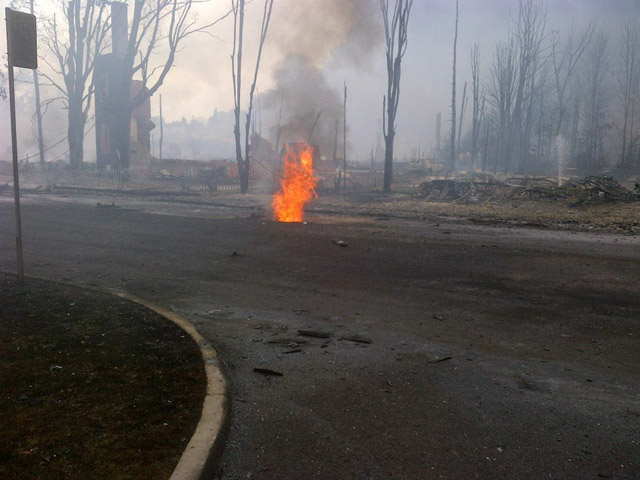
<point x="62" y="140"/>
<point x="67" y="151"/>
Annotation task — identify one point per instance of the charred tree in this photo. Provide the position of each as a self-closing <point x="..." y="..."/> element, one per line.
<point x="453" y="155"/>
<point x="565" y="61"/>
<point x="628" y="89"/>
<point x="243" y="159"/>
<point x="529" y="34"/>
<point x="595" y="92"/>
<point x="463" y="109"/>
<point x="396" y="24"/>
<point x="75" y="46"/>
<point x="501" y="97"/>
<point x="156" y="26"/>
<point x="476" y="107"/>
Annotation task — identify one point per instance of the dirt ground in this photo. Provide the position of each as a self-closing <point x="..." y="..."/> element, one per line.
<point x="93" y="387"/>
<point x="431" y="346"/>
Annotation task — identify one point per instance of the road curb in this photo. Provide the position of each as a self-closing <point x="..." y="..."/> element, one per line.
<point x="205" y="447"/>
<point x="199" y="459"/>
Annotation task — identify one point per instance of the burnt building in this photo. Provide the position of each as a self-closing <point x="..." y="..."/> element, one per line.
<point x="118" y="125"/>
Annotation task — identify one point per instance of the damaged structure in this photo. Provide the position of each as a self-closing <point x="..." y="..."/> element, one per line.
<point x="114" y="91"/>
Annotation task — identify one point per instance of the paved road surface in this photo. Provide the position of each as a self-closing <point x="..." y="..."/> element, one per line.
<point x="453" y="352"/>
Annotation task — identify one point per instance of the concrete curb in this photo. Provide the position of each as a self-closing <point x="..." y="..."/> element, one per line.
<point x="205" y="447"/>
<point x="198" y="462"/>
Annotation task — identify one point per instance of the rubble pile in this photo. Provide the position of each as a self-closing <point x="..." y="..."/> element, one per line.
<point x="592" y="189"/>
<point x="477" y="189"/>
<point x="445" y="190"/>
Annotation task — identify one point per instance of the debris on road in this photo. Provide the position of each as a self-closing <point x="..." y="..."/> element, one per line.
<point x="357" y="339"/>
<point x="293" y="350"/>
<point x="105" y="205"/>
<point x="289" y="342"/>
<point x="441" y="359"/>
<point x="340" y="243"/>
<point x="268" y="372"/>
<point x="524" y="384"/>
<point x="314" y="333"/>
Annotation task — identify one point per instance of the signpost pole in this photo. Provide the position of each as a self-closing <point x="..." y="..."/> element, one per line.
<point x="22" y="51"/>
<point x="16" y="181"/>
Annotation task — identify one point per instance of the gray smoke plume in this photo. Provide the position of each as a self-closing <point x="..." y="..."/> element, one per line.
<point x="313" y="36"/>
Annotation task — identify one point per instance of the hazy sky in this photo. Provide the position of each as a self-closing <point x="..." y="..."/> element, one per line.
<point x="342" y="39"/>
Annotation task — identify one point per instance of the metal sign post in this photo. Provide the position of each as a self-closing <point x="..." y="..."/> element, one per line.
<point x="22" y="53"/>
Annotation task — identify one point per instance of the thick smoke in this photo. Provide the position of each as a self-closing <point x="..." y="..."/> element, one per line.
<point x="314" y="37"/>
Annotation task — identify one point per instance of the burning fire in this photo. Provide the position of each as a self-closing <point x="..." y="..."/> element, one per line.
<point x="297" y="185"/>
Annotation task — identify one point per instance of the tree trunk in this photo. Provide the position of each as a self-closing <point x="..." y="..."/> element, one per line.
<point x="75" y="134"/>
<point x="452" y="147"/>
<point x="388" y="162"/>
<point x="244" y="178"/>
<point x="122" y="137"/>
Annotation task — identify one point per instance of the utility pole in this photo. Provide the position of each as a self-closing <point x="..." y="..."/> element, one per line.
<point x="438" y="136"/>
<point x="36" y="84"/>
<point x="335" y="145"/>
<point x="344" y="139"/>
<point x="161" y="131"/>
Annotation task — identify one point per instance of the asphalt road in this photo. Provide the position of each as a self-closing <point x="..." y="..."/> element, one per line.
<point x="451" y="351"/>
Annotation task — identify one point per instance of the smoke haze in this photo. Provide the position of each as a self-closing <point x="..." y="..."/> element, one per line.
<point x="314" y="46"/>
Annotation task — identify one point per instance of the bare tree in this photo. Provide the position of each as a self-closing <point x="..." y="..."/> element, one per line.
<point x="530" y="29"/>
<point x="501" y="97"/>
<point x="463" y="110"/>
<point x="396" y="24"/>
<point x="157" y="30"/>
<point x="628" y="87"/>
<point x="237" y="7"/>
<point x="476" y="107"/>
<point x="75" y="46"/>
<point x="453" y="155"/>
<point x="595" y="90"/>
<point x="565" y="63"/>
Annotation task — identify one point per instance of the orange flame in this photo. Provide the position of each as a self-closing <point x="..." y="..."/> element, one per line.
<point x="297" y="185"/>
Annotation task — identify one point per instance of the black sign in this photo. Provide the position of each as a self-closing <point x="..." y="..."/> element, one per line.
<point x="21" y="39"/>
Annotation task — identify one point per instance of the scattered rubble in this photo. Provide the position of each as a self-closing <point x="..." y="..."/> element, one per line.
<point x="592" y="189"/>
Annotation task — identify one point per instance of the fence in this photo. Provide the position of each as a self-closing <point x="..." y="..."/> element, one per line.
<point x="130" y="180"/>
